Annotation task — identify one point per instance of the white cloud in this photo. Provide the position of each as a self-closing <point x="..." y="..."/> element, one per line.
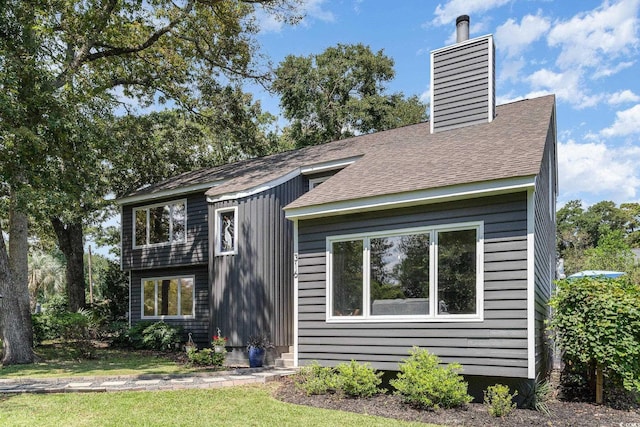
<point x="510" y="70"/>
<point x="310" y="9"/>
<point x="514" y="37"/>
<point x="454" y="8"/>
<point x="606" y="71"/>
<point x="565" y="85"/>
<point x="622" y="97"/>
<point x="627" y="122"/>
<point x="595" y="171"/>
<point x="598" y="37"/>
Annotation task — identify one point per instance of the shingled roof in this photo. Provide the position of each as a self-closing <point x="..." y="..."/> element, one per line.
<point x="412" y="159"/>
<point x="401" y="160"/>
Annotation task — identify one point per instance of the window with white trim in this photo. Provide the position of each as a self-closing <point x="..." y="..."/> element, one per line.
<point x="418" y="274"/>
<point x="168" y="297"/>
<point x="160" y="224"/>
<point x="314" y="182"/>
<point x="226" y="231"/>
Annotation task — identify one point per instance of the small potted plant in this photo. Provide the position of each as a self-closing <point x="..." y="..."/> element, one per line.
<point x="257" y="347"/>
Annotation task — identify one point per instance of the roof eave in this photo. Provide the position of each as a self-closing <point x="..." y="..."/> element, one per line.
<point x="413" y="198"/>
<point x="173" y="192"/>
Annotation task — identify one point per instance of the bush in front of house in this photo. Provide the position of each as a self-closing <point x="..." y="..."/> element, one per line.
<point x="357" y="380"/>
<point x="424" y="383"/>
<point x="315" y="379"/>
<point x="352" y="379"/>
<point x="499" y="400"/>
<point x="151" y="336"/>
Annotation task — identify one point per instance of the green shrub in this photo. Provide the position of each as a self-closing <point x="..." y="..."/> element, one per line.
<point x="422" y="382"/>
<point x="316" y="379"/>
<point x="498" y="400"/>
<point x="357" y="380"/>
<point x="151" y="336"/>
<point x="535" y="396"/>
<point x="161" y="336"/>
<point x="596" y="322"/>
<point x="205" y="357"/>
<point x="62" y="325"/>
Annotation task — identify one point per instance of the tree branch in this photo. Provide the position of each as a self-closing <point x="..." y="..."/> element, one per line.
<point x="84" y="56"/>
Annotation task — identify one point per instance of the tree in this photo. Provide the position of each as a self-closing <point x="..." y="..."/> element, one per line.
<point x="60" y="62"/>
<point x="46" y="276"/>
<point x="593" y="237"/>
<point x="595" y="323"/>
<point x="340" y="93"/>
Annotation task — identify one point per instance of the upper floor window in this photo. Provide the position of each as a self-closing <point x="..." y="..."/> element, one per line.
<point x="160" y="224"/>
<point x="421" y="273"/>
<point x="226" y="231"/>
<point x="314" y="182"/>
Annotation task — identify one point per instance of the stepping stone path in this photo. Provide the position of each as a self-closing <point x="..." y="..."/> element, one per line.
<point x="236" y="377"/>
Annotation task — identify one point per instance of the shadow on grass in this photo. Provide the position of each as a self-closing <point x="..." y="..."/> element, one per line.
<point x="58" y="359"/>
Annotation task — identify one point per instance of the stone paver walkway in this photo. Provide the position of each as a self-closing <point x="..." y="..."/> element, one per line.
<point x="142" y="382"/>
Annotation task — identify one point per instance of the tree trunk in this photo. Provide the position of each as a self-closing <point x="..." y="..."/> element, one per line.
<point x="15" y="314"/>
<point x="71" y="242"/>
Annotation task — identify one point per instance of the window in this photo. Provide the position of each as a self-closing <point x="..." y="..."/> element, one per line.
<point x="168" y="297"/>
<point x="397" y="275"/>
<point x="314" y="182"/>
<point x="160" y="224"/>
<point x="226" y="231"/>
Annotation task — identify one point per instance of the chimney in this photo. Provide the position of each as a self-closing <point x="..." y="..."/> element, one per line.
<point x="462" y="28"/>
<point x="463" y="81"/>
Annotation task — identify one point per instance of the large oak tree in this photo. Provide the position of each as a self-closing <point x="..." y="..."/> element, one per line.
<point x="340" y="93"/>
<point x="64" y="66"/>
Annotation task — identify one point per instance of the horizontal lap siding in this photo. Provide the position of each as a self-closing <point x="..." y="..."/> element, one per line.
<point x="461" y="84"/>
<point x="495" y="346"/>
<point x="199" y="326"/>
<point x="253" y="289"/>
<point x="193" y="251"/>
<point x="545" y="251"/>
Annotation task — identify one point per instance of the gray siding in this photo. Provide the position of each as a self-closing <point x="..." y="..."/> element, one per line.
<point x="252" y="291"/>
<point x="496" y="346"/>
<point x="199" y="325"/>
<point x="462" y="74"/>
<point x="544" y="248"/>
<point x="193" y="251"/>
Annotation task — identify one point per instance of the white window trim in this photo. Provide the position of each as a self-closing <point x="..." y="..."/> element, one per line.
<point x="218" y="232"/>
<point x="314" y="182"/>
<point x="158" y="279"/>
<point x="433" y="316"/>
<point x="147" y="208"/>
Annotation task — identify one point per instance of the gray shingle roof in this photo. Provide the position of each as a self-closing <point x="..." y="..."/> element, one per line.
<point x="413" y="159"/>
<point x="399" y="160"/>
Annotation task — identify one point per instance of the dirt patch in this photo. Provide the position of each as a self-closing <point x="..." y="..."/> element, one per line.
<point x="563" y="414"/>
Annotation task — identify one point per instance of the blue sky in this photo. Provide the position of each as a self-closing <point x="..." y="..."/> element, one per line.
<point x="585" y="52"/>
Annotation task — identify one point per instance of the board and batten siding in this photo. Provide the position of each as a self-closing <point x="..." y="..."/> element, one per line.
<point x="252" y="290"/>
<point x="462" y="81"/>
<point x="544" y="250"/>
<point x="193" y="251"/>
<point x="198" y="326"/>
<point x="495" y="346"/>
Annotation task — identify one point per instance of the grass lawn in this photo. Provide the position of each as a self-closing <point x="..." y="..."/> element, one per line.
<point x="234" y="406"/>
<point x="55" y="362"/>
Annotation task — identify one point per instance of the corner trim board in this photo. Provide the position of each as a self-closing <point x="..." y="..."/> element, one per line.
<point x="531" y="292"/>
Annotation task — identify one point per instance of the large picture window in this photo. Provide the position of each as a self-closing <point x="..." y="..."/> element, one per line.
<point x="421" y="273"/>
<point x="168" y="297"/>
<point x="160" y="224"/>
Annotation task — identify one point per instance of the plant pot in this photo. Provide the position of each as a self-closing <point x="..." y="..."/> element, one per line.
<point x="256" y="357"/>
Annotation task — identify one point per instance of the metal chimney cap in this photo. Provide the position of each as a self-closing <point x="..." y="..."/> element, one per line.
<point x="462" y="18"/>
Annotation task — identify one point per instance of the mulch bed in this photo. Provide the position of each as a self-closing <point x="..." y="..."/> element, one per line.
<point x="475" y="414"/>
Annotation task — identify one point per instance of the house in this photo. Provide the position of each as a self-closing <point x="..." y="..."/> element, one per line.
<point x="439" y="234"/>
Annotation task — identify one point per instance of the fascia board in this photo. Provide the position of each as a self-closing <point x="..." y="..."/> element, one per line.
<point x="436" y="195"/>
